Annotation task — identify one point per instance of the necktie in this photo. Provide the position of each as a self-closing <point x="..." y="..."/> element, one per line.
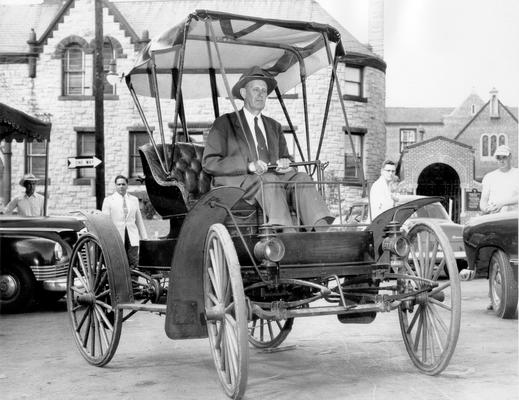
<point x="125" y="207"/>
<point x="263" y="153"/>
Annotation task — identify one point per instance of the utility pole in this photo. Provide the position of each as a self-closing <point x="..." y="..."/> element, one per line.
<point x="99" y="106"/>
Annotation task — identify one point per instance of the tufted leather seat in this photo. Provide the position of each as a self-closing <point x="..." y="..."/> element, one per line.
<point x="177" y="192"/>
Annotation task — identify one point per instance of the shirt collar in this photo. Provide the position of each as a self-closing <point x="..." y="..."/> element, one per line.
<point x="250" y="117"/>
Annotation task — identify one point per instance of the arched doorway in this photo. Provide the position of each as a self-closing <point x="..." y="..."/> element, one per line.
<point x="441" y="180"/>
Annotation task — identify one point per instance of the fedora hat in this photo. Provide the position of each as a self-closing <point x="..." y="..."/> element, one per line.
<point x="28" y="177"/>
<point x="253" y="74"/>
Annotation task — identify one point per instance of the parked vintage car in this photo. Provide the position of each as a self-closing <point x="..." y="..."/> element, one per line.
<point x="34" y="256"/>
<point x="435" y="213"/>
<point x="491" y="246"/>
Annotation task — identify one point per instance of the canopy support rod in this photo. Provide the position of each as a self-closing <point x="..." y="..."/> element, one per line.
<point x="226" y="83"/>
<point x="214" y="92"/>
<point x="178" y="98"/>
<point x="325" y="117"/>
<point x="148" y="129"/>
<point x="305" y="110"/>
<point x="159" y="110"/>
<point x="181" y="112"/>
<point x="343" y="108"/>
<point x="290" y="125"/>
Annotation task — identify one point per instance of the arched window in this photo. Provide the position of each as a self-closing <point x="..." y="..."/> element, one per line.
<point x="489" y="143"/>
<point x="493" y="144"/>
<point x="484" y="146"/>
<point x="75" y="79"/>
<point x="502" y="140"/>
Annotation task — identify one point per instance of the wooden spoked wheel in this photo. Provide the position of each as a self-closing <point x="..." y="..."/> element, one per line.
<point x="264" y="333"/>
<point x="226" y="311"/>
<point x="96" y="322"/>
<point x="430" y="321"/>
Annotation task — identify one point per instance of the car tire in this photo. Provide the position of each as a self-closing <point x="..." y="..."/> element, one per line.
<point x="17" y="289"/>
<point x="502" y="285"/>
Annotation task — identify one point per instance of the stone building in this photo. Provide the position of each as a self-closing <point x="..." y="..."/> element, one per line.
<point x="447" y="151"/>
<point x="46" y="70"/>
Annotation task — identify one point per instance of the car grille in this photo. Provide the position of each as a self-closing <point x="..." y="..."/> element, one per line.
<point x="44" y="272"/>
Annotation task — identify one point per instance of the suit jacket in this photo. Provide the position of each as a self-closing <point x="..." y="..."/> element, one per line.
<point x="227" y="154"/>
<point x="113" y="206"/>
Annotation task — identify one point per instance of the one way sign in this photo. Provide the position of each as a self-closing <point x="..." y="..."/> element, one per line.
<point x="83" y="162"/>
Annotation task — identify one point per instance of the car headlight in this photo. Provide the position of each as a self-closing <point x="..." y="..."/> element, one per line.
<point x="271" y="249"/>
<point x="398" y="245"/>
<point x="58" y="252"/>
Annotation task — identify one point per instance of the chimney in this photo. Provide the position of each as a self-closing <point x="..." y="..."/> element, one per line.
<point x="376" y="27"/>
<point x="494" y="104"/>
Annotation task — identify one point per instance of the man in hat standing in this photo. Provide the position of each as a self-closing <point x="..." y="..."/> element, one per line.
<point x="246" y="148"/>
<point x="29" y="204"/>
<point x="501" y="186"/>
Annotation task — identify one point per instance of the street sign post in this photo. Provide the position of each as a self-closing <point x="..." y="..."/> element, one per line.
<point x="83" y="162"/>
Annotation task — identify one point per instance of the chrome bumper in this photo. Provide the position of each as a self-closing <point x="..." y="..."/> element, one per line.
<point x="55" y="285"/>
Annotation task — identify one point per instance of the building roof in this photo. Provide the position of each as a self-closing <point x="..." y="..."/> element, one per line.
<point x="416" y="115"/>
<point x="436" y="139"/>
<point x="16" y="21"/>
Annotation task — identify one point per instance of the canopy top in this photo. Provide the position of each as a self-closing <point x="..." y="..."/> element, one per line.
<point x="217" y="41"/>
<point x="19" y="126"/>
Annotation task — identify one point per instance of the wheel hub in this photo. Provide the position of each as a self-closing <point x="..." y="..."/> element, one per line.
<point x="8" y="286"/>
<point x="86" y="299"/>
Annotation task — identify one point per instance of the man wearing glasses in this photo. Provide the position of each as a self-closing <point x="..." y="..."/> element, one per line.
<point x="501" y="186"/>
<point x="380" y="196"/>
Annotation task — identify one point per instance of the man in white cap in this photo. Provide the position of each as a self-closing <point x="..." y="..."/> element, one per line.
<point x="501" y="186"/>
<point x="246" y="148"/>
<point x="29" y="204"/>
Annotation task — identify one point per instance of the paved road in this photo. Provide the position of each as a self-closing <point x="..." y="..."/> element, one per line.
<point x="329" y="361"/>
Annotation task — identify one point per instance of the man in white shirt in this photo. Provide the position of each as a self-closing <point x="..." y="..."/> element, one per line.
<point x="125" y="212"/>
<point x="29" y="204"/>
<point x="381" y="197"/>
<point x="501" y="186"/>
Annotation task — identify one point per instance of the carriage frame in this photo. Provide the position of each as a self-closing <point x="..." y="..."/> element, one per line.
<point x="223" y="271"/>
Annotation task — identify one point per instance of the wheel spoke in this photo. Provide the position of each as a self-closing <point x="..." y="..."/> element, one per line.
<point x="435" y="334"/>
<point x="416" y="262"/>
<point x="424" y="335"/>
<point x="413" y="321"/>
<point x="214" y="283"/>
<point x="438" y="271"/>
<point x="418" y="329"/>
<point x="438" y="317"/>
<point x="81" y="279"/>
<point x="432" y="261"/>
<point x="440" y="304"/>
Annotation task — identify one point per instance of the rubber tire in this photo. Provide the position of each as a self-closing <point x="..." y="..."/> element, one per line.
<point x="25" y="295"/>
<point x="504" y="299"/>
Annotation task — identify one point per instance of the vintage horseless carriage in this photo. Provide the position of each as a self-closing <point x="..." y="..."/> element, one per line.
<point x="223" y="271"/>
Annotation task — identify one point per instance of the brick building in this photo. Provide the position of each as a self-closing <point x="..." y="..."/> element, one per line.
<point x="46" y="70"/>
<point x="447" y="151"/>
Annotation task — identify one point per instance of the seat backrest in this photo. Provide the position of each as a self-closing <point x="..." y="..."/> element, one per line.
<point x="177" y="192"/>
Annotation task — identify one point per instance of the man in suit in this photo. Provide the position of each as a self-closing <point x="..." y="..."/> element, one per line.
<point x="124" y="210"/>
<point x="240" y="148"/>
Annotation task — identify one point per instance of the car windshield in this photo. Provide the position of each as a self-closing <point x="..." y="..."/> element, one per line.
<point x="434" y="210"/>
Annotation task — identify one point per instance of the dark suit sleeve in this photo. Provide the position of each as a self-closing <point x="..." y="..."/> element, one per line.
<point x="222" y="154"/>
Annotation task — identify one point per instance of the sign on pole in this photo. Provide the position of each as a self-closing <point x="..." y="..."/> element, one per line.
<point x="83" y="162"/>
